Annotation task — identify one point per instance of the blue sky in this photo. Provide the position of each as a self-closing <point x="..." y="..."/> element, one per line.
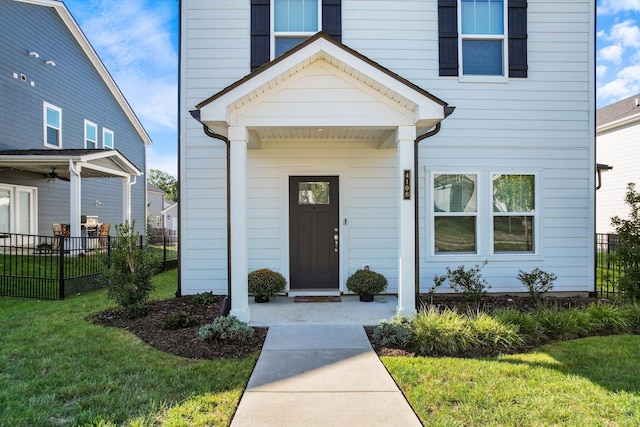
<point x="138" y="42"/>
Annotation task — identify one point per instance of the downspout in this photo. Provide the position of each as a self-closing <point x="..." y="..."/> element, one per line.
<point x="226" y="305"/>
<point x="447" y="112"/>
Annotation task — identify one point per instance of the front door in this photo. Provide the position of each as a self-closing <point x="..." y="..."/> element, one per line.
<point x="313" y="233"/>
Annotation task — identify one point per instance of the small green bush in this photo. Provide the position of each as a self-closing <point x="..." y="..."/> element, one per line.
<point x="467" y="281"/>
<point x="633" y="312"/>
<point x="628" y="253"/>
<point x="395" y="332"/>
<point x="441" y="333"/>
<point x="226" y="329"/>
<point x="179" y="320"/>
<point x="528" y="327"/>
<point x="266" y="283"/>
<point x="492" y="334"/>
<point x="129" y="271"/>
<point x="205" y="298"/>
<point x="366" y="282"/>
<point x="608" y="318"/>
<point x="558" y="324"/>
<point x="537" y="282"/>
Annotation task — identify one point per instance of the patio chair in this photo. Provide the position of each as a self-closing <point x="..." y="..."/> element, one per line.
<point x="104" y="230"/>
<point x="59" y="230"/>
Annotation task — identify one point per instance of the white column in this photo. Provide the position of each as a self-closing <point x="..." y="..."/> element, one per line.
<point x="126" y="202"/>
<point x="238" y="138"/>
<point x="75" y="199"/>
<point x="405" y="137"/>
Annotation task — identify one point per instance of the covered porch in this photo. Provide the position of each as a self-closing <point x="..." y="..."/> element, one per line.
<point x="321" y="117"/>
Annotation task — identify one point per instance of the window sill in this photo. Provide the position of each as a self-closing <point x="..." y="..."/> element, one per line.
<point x="484" y="79"/>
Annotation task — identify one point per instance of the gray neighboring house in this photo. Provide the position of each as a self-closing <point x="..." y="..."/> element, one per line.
<point x="70" y="144"/>
<point x="155" y="205"/>
<point x="617" y="147"/>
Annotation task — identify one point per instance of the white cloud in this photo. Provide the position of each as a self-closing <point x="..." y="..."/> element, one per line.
<point x="610" y="7"/>
<point x="601" y="71"/>
<point x="627" y="33"/>
<point x="163" y="162"/>
<point x="612" y="53"/>
<point x="626" y="83"/>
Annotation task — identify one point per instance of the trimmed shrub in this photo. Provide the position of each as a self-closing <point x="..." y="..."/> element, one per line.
<point x="366" y="282"/>
<point x="537" y="282"/>
<point x="205" y="298"/>
<point x="395" y="332"/>
<point x="467" y="281"/>
<point x="226" y="329"/>
<point x="179" y="320"/>
<point x="266" y="283"/>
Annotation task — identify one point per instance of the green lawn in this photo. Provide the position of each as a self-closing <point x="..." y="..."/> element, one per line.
<point x="591" y="381"/>
<point x="58" y="369"/>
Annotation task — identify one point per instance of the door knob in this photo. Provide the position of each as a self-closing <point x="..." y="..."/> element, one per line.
<point x="335" y="241"/>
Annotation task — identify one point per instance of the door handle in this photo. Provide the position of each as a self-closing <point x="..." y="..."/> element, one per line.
<point x="336" y="238"/>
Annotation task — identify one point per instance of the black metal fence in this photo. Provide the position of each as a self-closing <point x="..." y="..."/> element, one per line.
<point x="48" y="267"/>
<point x="608" y="269"/>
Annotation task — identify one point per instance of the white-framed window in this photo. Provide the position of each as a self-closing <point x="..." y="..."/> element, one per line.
<point x="293" y="22"/>
<point x="52" y="119"/>
<point x="107" y="138"/>
<point x="158" y="221"/>
<point x="482" y="44"/>
<point x="455" y="213"/>
<point x="17" y="209"/>
<point x="90" y="134"/>
<point x="514" y="208"/>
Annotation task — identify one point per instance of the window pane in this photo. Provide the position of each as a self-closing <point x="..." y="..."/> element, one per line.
<point x="284" y="44"/>
<point x="482" y="57"/>
<point x="53" y="117"/>
<point x="313" y="193"/>
<point x="482" y="17"/>
<point x="107" y="139"/>
<point x="92" y="133"/>
<point x="296" y="15"/>
<point x="24" y="219"/>
<point x="455" y="193"/>
<point x="53" y="136"/>
<point x="5" y="210"/>
<point x="514" y="193"/>
<point x="513" y="234"/>
<point x="455" y="234"/>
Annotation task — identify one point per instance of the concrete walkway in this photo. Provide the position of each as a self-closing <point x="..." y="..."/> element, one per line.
<point x="321" y="375"/>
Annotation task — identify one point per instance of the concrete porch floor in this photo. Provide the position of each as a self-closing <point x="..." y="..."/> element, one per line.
<point x="283" y="310"/>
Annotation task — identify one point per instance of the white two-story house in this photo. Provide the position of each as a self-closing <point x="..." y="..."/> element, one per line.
<point x="406" y="136"/>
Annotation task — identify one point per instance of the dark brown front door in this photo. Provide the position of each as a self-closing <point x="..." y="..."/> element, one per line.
<point x="313" y="232"/>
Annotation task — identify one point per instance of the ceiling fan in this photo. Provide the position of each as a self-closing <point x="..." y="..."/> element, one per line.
<point x="51" y="176"/>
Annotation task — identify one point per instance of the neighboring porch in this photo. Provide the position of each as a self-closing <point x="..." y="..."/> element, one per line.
<point x="312" y="117"/>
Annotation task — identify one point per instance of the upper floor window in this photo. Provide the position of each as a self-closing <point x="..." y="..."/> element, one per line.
<point x="294" y="21"/>
<point x="52" y="118"/>
<point x="482" y="37"/>
<point x="514" y="199"/>
<point x="90" y="134"/>
<point x="107" y="138"/>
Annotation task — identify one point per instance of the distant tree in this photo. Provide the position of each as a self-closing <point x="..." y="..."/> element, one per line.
<point x="165" y="182"/>
<point x="628" y="253"/>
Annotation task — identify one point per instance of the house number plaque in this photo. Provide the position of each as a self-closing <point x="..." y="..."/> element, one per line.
<point x="406" y="186"/>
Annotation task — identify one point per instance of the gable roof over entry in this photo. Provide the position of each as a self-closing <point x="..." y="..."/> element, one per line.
<point x="322" y="90"/>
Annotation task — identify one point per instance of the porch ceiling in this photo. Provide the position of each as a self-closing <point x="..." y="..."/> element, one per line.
<point x="94" y="163"/>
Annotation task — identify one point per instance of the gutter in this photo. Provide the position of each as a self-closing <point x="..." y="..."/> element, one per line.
<point x="226" y="305"/>
<point x="448" y="110"/>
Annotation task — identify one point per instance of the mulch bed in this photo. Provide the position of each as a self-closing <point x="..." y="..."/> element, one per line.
<point x="185" y="342"/>
<point x="181" y="342"/>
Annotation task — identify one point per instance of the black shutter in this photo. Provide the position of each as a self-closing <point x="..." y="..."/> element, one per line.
<point x="518" y="38"/>
<point x="448" y="37"/>
<point x="332" y="18"/>
<point x="260" y="33"/>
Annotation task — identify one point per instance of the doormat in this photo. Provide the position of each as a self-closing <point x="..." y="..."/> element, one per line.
<point x="318" y="299"/>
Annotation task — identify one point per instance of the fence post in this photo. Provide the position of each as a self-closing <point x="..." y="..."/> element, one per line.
<point x="61" y="266"/>
<point x="164" y="252"/>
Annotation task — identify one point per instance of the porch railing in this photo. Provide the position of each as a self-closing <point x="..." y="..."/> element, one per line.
<point x="48" y="267"/>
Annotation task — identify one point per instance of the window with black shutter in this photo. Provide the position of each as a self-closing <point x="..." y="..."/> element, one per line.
<point x="482" y="37"/>
<point x="294" y="22"/>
